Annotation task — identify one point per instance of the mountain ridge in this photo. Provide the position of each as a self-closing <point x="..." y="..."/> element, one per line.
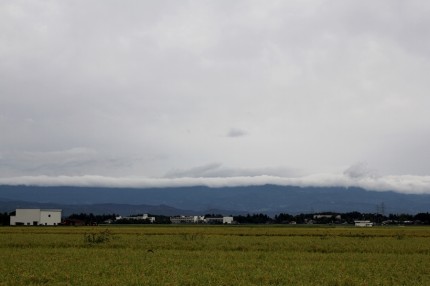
<point x="270" y="199"/>
<point x="99" y="209"/>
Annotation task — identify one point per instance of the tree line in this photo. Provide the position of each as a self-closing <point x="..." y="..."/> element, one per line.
<point x="260" y="218"/>
<point x="91" y="219"/>
<point x="335" y="218"/>
<point x="281" y="218"/>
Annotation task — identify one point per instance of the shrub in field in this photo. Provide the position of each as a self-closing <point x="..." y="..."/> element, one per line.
<point x="98" y="237"/>
<point x="400" y="236"/>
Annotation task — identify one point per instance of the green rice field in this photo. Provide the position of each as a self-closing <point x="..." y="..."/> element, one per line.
<point x="214" y="255"/>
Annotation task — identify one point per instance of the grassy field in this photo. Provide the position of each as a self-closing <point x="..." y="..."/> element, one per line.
<point x="214" y="255"/>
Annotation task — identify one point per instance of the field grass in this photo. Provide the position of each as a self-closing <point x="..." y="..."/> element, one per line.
<point x="214" y="255"/>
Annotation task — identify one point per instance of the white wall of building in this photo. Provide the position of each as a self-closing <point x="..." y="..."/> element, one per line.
<point x="26" y="217"/>
<point x="50" y="217"/>
<point x="363" y="223"/>
<point x="227" y="220"/>
<point x="202" y="219"/>
<point x="36" y="217"/>
<point x="142" y="217"/>
<point x="187" y="219"/>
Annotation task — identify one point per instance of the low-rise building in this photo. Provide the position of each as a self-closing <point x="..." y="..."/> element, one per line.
<point x="227" y="220"/>
<point x="36" y="217"/>
<point x="202" y="219"/>
<point x="137" y="217"/>
<point x="363" y="223"/>
<point x="187" y="219"/>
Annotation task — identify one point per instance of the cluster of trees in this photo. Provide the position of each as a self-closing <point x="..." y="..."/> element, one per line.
<point x="4" y="218"/>
<point x="88" y="219"/>
<point x="334" y="218"/>
<point x="254" y="218"/>
<point x="330" y="218"/>
<point x="91" y="219"/>
<point x="159" y="219"/>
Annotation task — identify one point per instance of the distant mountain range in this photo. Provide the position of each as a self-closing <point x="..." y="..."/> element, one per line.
<point x="120" y="209"/>
<point x="268" y="199"/>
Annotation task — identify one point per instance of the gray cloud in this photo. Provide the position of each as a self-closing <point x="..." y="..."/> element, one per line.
<point x="360" y="170"/>
<point x="216" y="170"/>
<point x="42" y="162"/>
<point x="142" y="88"/>
<point x="235" y="132"/>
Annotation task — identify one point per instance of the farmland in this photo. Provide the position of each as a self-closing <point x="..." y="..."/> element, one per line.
<point x="214" y="255"/>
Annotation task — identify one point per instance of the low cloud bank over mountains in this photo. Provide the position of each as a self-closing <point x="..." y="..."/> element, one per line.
<point x="407" y="184"/>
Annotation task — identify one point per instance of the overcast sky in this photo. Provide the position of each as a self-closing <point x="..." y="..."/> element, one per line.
<point x="287" y="90"/>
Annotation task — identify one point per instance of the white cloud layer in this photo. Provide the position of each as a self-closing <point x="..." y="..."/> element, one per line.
<point x="400" y="184"/>
<point x="217" y="170"/>
<point x="276" y="88"/>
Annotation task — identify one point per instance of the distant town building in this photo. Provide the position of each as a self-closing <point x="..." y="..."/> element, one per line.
<point x="187" y="219"/>
<point x="36" y="217"/>
<point x="363" y="223"/>
<point x="137" y="217"/>
<point x="227" y="220"/>
<point x="201" y="219"/>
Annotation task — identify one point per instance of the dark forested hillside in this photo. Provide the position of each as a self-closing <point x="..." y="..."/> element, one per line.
<point x="269" y="199"/>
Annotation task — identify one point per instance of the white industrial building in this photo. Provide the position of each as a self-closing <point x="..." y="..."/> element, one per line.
<point x="137" y="217"/>
<point x="187" y="219"/>
<point x="36" y="217"/>
<point x="201" y="219"/>
<point x="363" y="223"/>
